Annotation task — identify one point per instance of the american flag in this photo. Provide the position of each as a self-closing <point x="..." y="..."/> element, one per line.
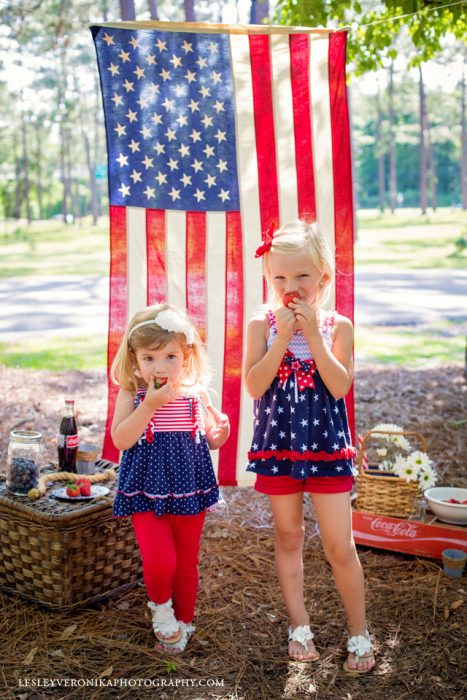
<point x="213" y="133"/>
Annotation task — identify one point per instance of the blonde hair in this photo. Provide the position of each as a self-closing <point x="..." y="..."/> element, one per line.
<point x="302" y="236"/>
<point x="151" y="336"/>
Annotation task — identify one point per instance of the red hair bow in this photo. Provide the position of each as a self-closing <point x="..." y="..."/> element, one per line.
<point x="267" y="241"/>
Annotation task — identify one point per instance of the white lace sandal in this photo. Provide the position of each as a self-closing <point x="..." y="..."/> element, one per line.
<point x="303" y="634"/>
<point x="187" y="630"/>
<point x="164" y="623"/>
<point x="361" y="646"/>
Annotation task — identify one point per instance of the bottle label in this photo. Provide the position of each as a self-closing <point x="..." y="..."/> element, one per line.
<point x="72" y="440"/>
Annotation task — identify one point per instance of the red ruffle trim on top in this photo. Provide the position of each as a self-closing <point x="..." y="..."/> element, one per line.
<point x="294" y="456"/>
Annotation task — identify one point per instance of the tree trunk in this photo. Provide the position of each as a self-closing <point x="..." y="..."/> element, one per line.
<point x="153" y="9"/>
<point x="259" y="11"/>
<point x="189" y="6"/>
<point x="25" y="164"/>
<point x="39" y="168"/>
<point x="127" y="10"/>
<point x="69" y="177"/>
<point x="91" y="164"/>
<point x="380" y="153"/>
<point x="63" y="173"/>
<point x="392" y="144"/>
<point x="17" y="213"/>
<point x="423" y="187"/>
<point x="432" y="166"/>
<point x="464" y="142"/>
<point x="105" y="10"/>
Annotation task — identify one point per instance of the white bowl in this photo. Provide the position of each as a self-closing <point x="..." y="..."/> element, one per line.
<point x="454" y="513"/>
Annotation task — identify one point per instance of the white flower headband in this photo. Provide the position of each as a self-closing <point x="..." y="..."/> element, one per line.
<point x="170" y="321"/>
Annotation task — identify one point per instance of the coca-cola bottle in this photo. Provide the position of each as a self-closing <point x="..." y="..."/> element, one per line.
<point x="68" y="439"/>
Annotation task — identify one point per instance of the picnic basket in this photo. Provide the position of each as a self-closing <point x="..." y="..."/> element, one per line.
<point x="381" y="492"/>
<point x="66" y="555"/>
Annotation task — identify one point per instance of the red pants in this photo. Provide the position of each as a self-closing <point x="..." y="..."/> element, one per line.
<point x="169" y="546"/>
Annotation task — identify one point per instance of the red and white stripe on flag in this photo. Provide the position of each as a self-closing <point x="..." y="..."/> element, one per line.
<point x="293" y="158"/>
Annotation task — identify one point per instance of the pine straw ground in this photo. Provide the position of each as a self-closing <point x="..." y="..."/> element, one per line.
<point x="415" y="612"/>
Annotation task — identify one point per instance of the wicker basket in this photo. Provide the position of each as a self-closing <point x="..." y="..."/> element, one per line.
<point x="385" y="493"/>
<point x="65" y="555"/>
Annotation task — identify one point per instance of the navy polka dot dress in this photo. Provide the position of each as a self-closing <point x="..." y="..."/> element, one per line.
<point x="169" y="469"/>
<point x="300" y="429"/>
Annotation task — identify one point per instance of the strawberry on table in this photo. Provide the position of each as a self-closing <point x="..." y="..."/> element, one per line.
<point x="84" y="486"/>
<point x="72" y="490"/>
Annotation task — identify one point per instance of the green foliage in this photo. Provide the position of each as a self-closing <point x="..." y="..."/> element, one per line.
<point x="375" y="30"/>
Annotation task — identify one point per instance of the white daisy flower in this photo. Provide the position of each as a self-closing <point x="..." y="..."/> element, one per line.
<point x="419" y="460"/>
<point x="401" y="441"/>
<point x="388" y="428"/>
<point x="427" y="478"/>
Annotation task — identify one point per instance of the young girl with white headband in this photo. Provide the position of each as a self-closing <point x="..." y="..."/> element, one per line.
<point x="298" y="368"/>
<point x="165" y="424"/>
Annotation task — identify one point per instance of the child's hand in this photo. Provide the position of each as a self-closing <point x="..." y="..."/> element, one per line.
<point x="219" y="431"/>
<point x="307" y="316"/>
<point x="161" y="396"/>
<point x="285" y="321"/>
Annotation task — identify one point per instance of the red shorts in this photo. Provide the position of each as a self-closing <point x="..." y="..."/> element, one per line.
<point x="284" y="485"/>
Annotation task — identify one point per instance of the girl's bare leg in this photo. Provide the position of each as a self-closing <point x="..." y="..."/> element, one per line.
<point x="289" y="529"/>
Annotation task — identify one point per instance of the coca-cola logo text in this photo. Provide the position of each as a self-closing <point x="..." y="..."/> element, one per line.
<point x="399" y="529"/>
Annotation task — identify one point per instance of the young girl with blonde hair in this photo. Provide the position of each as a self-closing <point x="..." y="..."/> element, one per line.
<point x="298" y="368"/>
<point x="165" y="424"/>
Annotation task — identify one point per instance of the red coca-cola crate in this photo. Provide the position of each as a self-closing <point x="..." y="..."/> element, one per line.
<point x="407" y="536"/>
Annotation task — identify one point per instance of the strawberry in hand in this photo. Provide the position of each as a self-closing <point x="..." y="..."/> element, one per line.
<point x="290" y="296"/>
<point x="159" y="382"/>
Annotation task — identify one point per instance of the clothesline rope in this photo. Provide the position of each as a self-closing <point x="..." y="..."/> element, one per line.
<point x="409" y="14"/>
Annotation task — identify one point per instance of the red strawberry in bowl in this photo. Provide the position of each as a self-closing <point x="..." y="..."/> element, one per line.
<point x="290" y="296"/>
<point x="72" y="490"/>
<point x="159" y="382"/>
<point x="84" y="486"/>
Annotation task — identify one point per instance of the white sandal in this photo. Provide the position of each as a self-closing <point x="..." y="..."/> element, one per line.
<point x="187" y="630"/>
<point x="362" y="647"/>
<point x="302" y="634"/>
<point x="164" y="623"/>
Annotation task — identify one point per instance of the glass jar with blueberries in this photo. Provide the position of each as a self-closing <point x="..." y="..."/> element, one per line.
<point x="23" y="461"/>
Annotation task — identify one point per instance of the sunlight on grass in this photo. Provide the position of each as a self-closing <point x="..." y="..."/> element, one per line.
<point x="56" y="354"/>
<point x="53" y="248"/>
<point x="409" y="240"/>
<point x="409" y="346"/>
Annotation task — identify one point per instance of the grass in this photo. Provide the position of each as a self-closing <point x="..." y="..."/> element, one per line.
<point x="56" y="354"/>
<point x="410" y="347"/>
<point x="408" y="240"/>
<point x="54" y="248"/>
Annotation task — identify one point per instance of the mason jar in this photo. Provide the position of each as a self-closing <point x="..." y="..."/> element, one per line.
<point x="23" y="461"/>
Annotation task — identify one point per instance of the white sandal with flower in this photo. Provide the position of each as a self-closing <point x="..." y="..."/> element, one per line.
<point x="164" y="623"/>
<point x="360" y="645"/>
<point x="303" y="634"/>
<point x="187" y="630"/>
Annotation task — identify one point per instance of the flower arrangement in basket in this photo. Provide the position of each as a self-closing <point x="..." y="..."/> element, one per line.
<point x="392" y="486"/>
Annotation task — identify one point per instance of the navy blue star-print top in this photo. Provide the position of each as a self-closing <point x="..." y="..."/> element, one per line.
<point x="300" y="429"/>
